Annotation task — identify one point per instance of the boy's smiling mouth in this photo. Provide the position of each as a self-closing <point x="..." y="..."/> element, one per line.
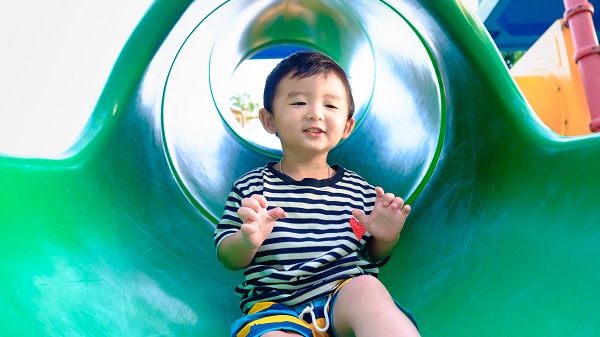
<point x="314" y="130"/>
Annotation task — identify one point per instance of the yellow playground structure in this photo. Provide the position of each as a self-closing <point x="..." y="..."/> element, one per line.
<point x="549" y="75"/>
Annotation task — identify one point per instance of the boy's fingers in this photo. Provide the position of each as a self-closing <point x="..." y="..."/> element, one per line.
<point x="379" y="192"/>
<point x="397" y="202"/>
<point x="359" y="215"/>
<point x="248" y="229"/>
<point x="277" y="213"/>
<point x="406" y="209"/>
<point x="388" y="198"/>
<point x="247" y="214"/>
<point x="252" y="203"/>
<point x="262" y="201"/>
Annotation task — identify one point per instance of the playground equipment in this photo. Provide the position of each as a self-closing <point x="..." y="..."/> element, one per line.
<point x="560" y="74"/>
<point x="115" y="237"/>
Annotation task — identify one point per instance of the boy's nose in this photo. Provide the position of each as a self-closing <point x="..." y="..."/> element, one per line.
<point x="315" y="112"/>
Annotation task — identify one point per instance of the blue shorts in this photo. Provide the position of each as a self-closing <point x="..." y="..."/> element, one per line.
<point x="310" y="320"/>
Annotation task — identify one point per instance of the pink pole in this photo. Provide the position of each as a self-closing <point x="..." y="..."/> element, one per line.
<point x="578" y="17"/>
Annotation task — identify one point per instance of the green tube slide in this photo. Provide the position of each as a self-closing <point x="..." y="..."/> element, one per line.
<point x="114" y="237"/>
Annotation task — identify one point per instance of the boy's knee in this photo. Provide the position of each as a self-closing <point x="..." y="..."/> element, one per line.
<point x="367" y="287"/>
<point x="366" y="283"/>
<point x="363" y="301"/>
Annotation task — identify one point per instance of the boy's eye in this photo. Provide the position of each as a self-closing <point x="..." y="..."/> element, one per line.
<point x="299" y="103"/>
<point x="330" y="106"/>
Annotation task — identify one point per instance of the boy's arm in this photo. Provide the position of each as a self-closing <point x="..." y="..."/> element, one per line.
<point x="237" y="250"/>
<point x="379" y="250"/>
<point x="232" y="252"/>
<point x="384" y="223"/>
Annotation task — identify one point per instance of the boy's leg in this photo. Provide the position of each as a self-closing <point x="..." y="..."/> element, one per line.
<point x="364" y="307"/>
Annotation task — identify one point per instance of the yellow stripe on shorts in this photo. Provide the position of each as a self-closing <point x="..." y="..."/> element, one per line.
<point x="276" y="319"/>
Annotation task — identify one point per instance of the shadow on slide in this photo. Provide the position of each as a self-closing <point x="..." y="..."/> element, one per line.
<point x="115" y="238"/>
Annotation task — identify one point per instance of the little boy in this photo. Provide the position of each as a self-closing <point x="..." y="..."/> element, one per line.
<point x="309" y="236"/>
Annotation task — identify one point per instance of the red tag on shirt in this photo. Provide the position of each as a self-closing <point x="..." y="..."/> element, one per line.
<point x="357" y="228"/>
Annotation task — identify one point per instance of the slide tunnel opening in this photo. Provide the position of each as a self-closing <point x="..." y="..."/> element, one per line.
<point x="395" y="83"/>
<point x="245" y="92"/>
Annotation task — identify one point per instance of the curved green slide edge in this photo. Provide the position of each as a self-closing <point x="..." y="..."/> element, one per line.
<point x="503" y="239"/>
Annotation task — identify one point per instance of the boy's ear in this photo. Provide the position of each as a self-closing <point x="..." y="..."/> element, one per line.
<point x="266" y="118"/>
<point x="348" y="127"/>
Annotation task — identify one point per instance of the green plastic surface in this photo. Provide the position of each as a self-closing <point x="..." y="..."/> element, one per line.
<point x="115" y="237"/>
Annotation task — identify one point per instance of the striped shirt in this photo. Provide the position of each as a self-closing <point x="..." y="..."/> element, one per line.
<point x="310" y="251"/>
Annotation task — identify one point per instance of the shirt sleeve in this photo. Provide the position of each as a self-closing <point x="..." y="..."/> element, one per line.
<point x="230" y="222"/>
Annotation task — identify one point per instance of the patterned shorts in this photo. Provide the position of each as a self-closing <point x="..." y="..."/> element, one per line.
<point x="310" y="320"/>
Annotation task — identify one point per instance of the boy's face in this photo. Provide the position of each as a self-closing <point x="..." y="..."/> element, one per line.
<point x="310" y="114"/>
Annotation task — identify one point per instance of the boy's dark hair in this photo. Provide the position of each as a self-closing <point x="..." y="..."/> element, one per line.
<point x="304" y="64"/>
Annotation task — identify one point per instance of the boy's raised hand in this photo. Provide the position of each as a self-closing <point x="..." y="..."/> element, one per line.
<point x="387" y="217"/>
<point x="257" y="221"/>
